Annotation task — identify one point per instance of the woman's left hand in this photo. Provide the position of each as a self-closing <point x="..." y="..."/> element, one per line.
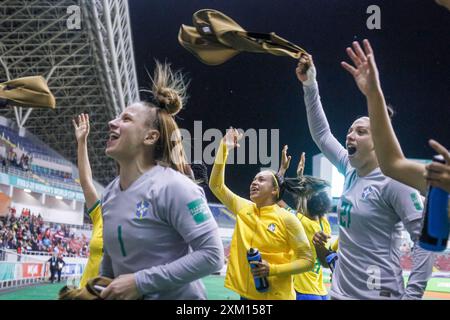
<point x="438" y="174"/>
<point x="364" y="70"/>
<point x="285" y="161"/>
<point x="261" y="270"/>
<point x="122" y="288"/>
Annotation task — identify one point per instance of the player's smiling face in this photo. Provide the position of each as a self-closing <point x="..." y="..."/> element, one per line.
<point x="262" y="187"/>
<point x="359" y="143"/>
<point x="127" y="132"/>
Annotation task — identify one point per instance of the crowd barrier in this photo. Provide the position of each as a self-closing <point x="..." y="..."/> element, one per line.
<point x="14" y="274"/>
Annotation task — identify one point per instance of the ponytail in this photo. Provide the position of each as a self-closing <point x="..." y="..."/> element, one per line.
<point x="168" y="98"/>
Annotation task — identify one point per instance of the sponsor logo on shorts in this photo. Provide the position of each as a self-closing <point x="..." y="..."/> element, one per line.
<point x="199" y="210"/>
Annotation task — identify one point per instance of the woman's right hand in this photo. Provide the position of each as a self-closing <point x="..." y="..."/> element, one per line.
<point x="81" y="127"/>
<point x="320" y="239"/>
<point x="285" y="161"/>
<point x="305" y="71"/>
<point x="231" y="138"/>
<point x="438" y="174"/>
<point x="301" y="165"/>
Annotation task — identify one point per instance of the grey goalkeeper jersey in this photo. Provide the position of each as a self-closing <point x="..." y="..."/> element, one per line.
<point x="372" y="212"/>
<point x="162" y="230"/>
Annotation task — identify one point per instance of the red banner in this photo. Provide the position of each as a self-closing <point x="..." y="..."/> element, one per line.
<point x="30" y="270"/>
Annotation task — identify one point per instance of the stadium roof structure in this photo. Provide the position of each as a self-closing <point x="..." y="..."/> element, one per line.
<point x="84" y="49"/>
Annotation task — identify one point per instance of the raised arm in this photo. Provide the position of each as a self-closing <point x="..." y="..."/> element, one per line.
<point x="317" y="120"/>
<point x="82" y="128"/>
<point x="387" y="148"/>
<point x="217" y="180"/>
<point x="285" y="161"/>
<point x="301" y="165"/>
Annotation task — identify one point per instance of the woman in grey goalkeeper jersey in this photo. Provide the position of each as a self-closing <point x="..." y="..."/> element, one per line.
<point x="371" y="210"/>
<point x="159" y="234"/>
<point x="389" y="152"/>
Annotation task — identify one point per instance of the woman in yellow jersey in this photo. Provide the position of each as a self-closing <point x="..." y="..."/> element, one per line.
<point x="312" y="205"/>
<point x="92" y="200"/>
<point x="261" y="224"/>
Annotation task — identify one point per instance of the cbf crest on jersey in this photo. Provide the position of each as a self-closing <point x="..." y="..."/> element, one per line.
<point x="142" y="208"/>
<point x="366" y="192"/>
<point x="271" y="227"/>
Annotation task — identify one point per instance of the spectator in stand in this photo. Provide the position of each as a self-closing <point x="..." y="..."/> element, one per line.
<point x="26" y="165"/>
<point x="19" y="251"/>
<point x="21" y="161"/>
<point x="12" y="212"/>
<point x="2" y="248"/>
<point x="35" y="244"/>
<point x="47" y="243"/>
<point x="14" y="159"/>
<point x="59" y="235"/>
<point x="11" y="243"/>
<point x="47" y="233"/>
<point x="10" y="155"/>
<point x="32" y="224"/>
<point x="27" y="247"/>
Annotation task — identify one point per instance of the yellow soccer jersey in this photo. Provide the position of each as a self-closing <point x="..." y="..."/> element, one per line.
<point x="335" y="245"/>
<point x="312" y="282"/>
<point x="95" y="246"/>
<point x="276" y="233"/>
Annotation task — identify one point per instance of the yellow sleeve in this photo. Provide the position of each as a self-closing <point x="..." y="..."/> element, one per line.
<point x="95" y="213"/>
<point x="335" y="245"/>
<point x="327" y="230"/>
<point x="303" y="257"/>
<point x="92" y="267"/>
<point x="217" y="185"/>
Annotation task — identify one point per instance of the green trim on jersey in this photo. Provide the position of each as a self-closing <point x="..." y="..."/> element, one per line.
<point x="96" y="204"/>
<point x="122" y="247"/>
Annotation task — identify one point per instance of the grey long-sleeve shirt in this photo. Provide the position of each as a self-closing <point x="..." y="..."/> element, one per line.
<point x="371" y="212"/>
<point x="162" y="230"/>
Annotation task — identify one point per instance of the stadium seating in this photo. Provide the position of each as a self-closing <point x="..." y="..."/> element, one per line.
<point x="38" y="150"/>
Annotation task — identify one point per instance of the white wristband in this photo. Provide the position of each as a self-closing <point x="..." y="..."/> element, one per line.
<point x="311" y="73"/>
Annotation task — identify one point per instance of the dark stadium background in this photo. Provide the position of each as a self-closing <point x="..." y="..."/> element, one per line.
<point x="261" y="91"/>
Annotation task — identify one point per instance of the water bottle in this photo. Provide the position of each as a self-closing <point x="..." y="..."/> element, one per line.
<point x="261" y="284"/>
<point x="435" y="229"/>
<point x="331" y="260"/>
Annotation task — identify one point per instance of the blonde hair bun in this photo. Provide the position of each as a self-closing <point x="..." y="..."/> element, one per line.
<point x="169" y="88"/>
<point x="169" y="99"/>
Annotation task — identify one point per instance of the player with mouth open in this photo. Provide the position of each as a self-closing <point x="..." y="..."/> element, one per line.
<point x="371" y="210"/>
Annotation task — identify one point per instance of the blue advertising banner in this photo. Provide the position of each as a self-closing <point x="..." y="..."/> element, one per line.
<point x="40" y="188"/>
